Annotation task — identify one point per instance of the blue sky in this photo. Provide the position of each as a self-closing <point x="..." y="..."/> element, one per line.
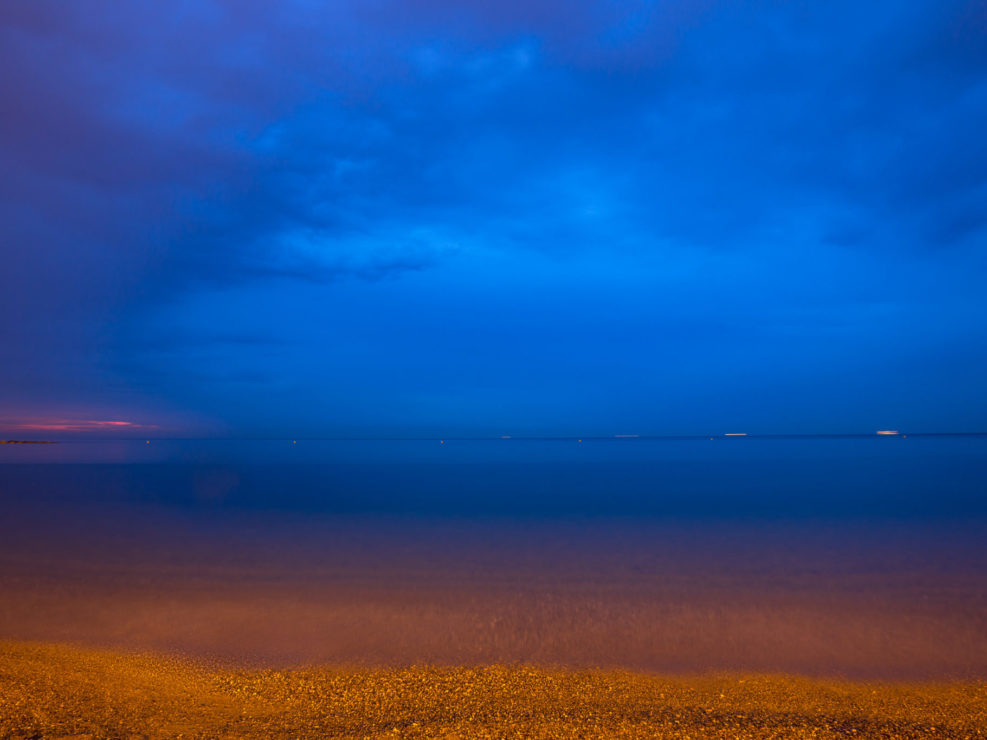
<point x="456" y="218"/>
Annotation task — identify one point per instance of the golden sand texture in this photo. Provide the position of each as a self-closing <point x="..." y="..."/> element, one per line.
<point x="57" y="691"/>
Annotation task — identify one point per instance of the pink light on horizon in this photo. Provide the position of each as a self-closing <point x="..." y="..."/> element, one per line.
<point x="73" y="425"/>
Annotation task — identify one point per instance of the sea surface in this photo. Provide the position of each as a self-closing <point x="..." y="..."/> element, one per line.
<point x="863" y="557"/>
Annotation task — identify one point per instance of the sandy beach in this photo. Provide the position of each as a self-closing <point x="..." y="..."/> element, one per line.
<point x="56" y="691"/>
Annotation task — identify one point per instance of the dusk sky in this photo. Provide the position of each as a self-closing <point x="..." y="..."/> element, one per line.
<point x="487" y="218"/>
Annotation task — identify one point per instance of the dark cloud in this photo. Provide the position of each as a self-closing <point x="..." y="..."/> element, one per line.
<point x="804" y="164"/>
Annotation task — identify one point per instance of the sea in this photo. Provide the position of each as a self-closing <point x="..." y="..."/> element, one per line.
<point x="856" y="556"/>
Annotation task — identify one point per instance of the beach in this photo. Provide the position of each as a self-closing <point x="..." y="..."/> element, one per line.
<point x="54" y="691"/>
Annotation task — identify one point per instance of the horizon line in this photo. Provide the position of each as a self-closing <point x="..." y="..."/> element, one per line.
<point x="515" y="438"/>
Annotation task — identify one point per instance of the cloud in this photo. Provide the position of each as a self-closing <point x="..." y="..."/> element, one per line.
<point x="74" y="425"/>
<point x="156" y="158"/>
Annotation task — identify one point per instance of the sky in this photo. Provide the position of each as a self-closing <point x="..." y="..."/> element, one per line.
<point x="469" y="217"/>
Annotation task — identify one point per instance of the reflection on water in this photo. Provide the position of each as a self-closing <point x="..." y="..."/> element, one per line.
<point x="863" y="557"/>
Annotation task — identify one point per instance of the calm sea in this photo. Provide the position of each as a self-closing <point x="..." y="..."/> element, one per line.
<point x="848" y="556"/>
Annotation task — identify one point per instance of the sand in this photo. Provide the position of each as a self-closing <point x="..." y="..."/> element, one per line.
<point x="49" y="690"/>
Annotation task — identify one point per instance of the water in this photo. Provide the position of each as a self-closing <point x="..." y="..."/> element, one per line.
<point x="834" y="477"/>
<point x="846" y="556"/>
